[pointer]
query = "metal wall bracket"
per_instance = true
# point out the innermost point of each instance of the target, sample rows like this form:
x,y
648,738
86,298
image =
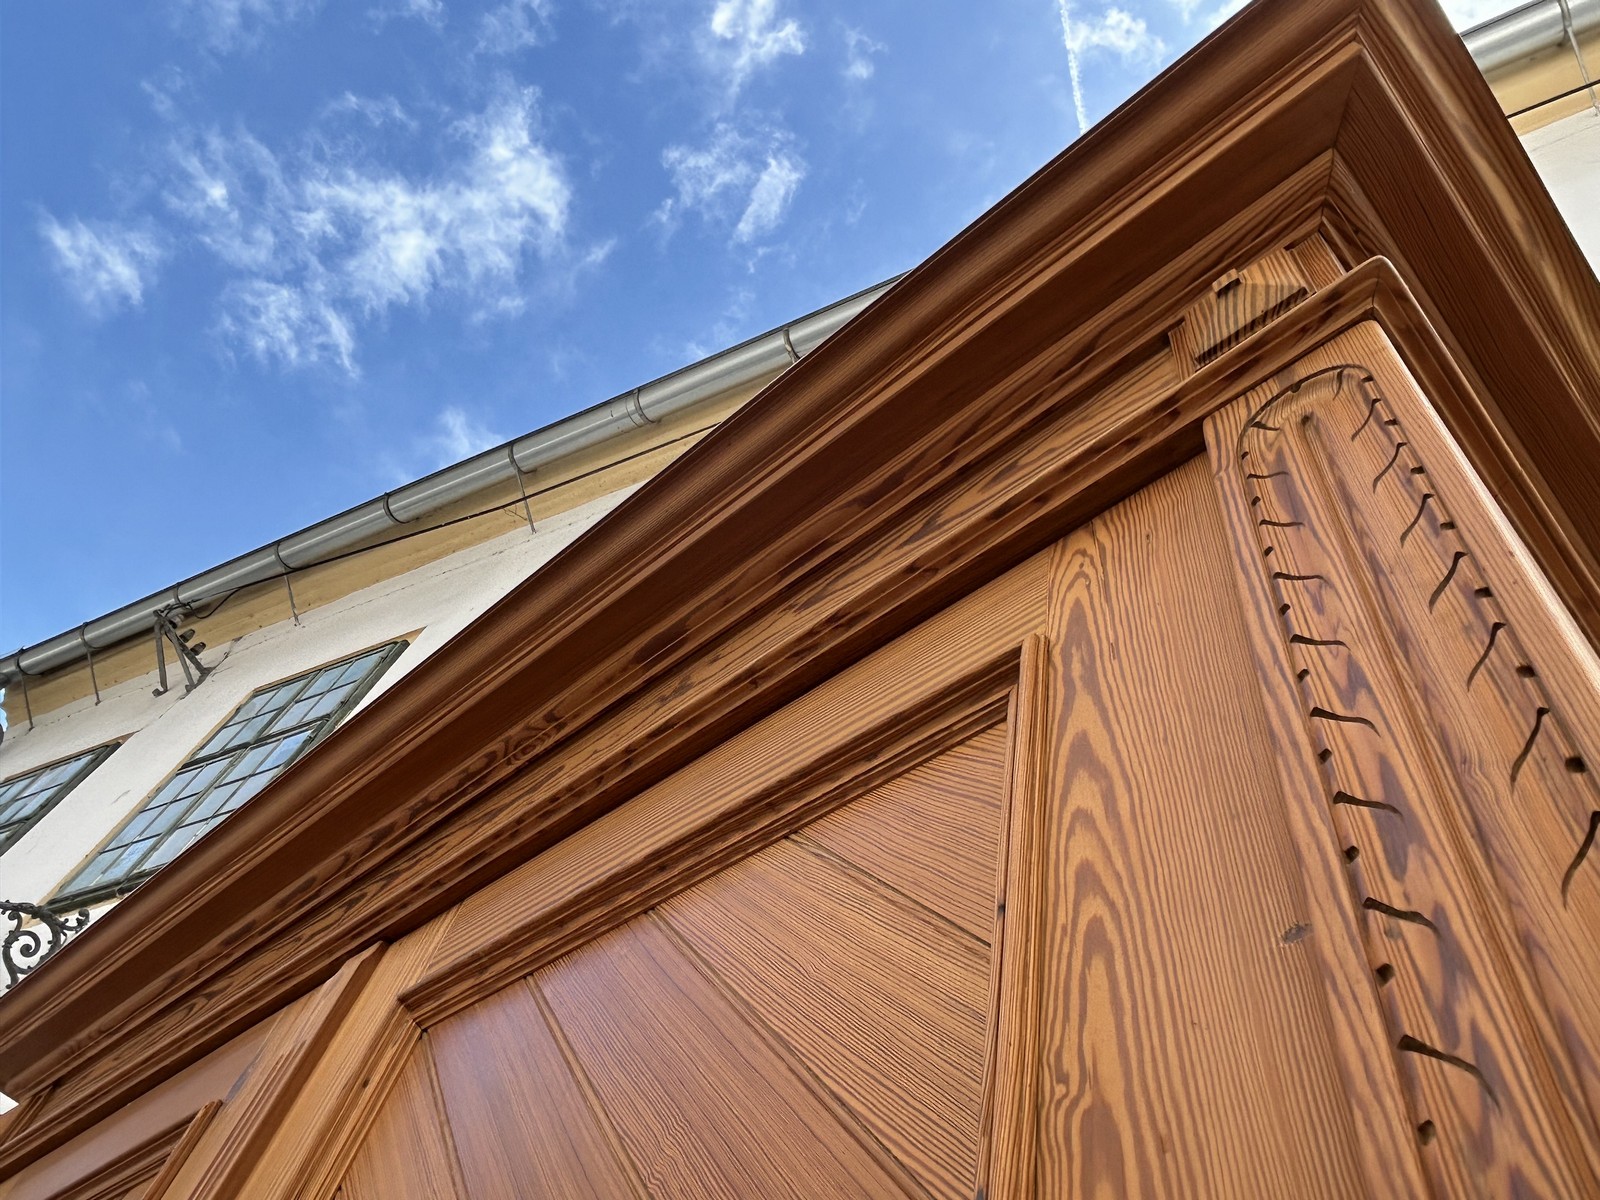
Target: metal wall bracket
x,y
166,629
25,946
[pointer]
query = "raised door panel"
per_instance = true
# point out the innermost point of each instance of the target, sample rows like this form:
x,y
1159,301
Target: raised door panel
x,y
517,1109
814,1019
883,1001
931,834
704,1103
409,1153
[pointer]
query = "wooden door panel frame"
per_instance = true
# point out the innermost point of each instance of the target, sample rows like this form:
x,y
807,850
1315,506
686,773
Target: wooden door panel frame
x,y
1008,1147
992,359
935,686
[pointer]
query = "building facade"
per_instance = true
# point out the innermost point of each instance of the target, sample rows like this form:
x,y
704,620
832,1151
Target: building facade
x,y
1116,718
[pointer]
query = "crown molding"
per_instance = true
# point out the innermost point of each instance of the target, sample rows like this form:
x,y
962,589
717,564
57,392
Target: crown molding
x,y
1011,387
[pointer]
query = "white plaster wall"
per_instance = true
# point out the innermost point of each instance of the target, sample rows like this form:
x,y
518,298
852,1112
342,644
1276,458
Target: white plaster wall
x,y
439,599
1566,154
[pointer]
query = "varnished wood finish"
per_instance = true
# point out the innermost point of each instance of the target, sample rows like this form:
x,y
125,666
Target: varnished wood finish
x,y
875,1002
980,506
233,1147
185,1145
897,707
409,1153
886,1004
173,1105
1239,302
1390,622
932,834
518,1113
1170,876
659,1042
1008,1149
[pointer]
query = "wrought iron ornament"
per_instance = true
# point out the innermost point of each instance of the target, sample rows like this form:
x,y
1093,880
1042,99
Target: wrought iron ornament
x,y
26,946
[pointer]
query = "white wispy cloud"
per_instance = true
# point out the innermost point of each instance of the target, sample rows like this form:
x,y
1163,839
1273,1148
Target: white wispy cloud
x,y
376,111
769,198
1074,70
746,180
858,52
514,25
747,34
229,25
1116,31
1211,15
323,243
106,266
294,324
163,88
457,436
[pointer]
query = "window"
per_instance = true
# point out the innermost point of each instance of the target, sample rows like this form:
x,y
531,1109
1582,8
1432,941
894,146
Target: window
x,y
26,798
263,736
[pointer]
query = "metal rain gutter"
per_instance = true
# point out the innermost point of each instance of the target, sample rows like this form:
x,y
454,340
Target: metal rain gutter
x,y
1534,28
766,354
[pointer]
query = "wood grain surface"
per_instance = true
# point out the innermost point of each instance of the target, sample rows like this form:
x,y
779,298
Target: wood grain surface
x,y
703,1103
1008,1143
1386,618
932,833
520,1118
895,708
408,1153
1184,1028
885,1003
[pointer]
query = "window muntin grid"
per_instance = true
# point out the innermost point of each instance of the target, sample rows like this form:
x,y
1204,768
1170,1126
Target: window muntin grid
x,y
27,797
262,737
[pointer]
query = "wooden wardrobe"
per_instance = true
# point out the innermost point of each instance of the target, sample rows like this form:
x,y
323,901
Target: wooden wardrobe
x,y
1119,719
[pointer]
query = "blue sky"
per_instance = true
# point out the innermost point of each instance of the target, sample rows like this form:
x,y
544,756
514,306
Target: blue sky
x,y
263,259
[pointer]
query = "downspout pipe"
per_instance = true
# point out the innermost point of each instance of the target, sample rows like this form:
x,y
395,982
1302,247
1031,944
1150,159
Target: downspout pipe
x,y
765,355
1532,29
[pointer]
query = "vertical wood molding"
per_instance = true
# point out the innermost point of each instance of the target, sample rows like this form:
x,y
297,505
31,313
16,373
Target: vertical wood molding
x,y
1009,1145
1383,617
185,1146
234,1145
1388,1152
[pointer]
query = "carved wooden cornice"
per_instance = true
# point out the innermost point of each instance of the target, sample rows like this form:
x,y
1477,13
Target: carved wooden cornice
x,y
1011,387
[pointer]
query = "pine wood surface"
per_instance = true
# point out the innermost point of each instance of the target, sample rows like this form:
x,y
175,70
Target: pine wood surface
x,y
884,1003
892,709
271,1095
858,1001
519,1119
188,1141
169,1105
659,1042
362,1056
1484,653
1189,1030
1008,1141
931,833
1360,537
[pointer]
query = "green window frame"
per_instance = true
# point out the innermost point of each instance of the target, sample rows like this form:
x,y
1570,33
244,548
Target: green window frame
x,y
25,798
257,743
